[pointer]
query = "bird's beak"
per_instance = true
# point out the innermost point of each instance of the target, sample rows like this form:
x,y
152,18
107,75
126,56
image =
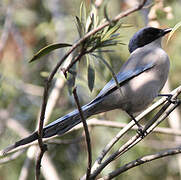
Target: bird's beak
x,y
166,31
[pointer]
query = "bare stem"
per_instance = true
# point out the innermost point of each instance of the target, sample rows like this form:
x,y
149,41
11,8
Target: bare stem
x,y
87,136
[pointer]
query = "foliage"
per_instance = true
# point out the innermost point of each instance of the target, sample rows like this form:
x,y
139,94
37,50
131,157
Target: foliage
x,y
105,38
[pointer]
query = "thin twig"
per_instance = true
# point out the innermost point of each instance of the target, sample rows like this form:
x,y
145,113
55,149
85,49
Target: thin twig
x,y
87,136
142,160
174,121
66,141
111,124
38,163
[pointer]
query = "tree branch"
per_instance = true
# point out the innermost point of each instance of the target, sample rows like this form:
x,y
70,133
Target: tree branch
x,y
87,136
142,160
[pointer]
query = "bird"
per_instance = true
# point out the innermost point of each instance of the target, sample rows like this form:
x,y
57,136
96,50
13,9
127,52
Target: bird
x,y
140,79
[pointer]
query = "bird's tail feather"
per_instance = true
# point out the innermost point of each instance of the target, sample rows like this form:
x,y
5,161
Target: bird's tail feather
x,y
65,123
59,126
21,142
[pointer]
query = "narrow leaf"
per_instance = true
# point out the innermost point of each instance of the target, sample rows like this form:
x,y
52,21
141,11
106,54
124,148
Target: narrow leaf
x,y
110,43
47,49
111,31
91,77
111,22
79,27
71,79
173,30
110,69
91,23
115,36
83,15
105,14
70,83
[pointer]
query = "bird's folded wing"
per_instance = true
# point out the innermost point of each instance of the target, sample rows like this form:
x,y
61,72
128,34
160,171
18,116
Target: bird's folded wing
x,y
122,77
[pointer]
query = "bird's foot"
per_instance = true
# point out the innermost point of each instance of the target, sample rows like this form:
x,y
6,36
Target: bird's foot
x,y
141,132
169,98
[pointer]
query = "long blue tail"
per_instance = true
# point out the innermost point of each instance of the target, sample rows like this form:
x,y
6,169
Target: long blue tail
x,y
65,123
59,126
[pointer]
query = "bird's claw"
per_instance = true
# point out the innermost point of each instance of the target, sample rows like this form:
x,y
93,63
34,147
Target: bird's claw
x,y
141,132
169,98
173,101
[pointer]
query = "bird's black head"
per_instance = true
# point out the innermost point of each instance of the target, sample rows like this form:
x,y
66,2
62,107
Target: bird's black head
x,y
145,36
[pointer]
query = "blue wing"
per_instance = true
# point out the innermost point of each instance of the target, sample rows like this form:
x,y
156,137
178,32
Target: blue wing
x,y
122,77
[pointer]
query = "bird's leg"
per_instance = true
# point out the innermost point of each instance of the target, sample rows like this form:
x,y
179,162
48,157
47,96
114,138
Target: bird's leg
x,y
140,128
169,96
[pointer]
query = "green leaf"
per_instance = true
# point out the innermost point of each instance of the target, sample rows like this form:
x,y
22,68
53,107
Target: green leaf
x,y
91,77
110,43
173,30
47,49
110,69
105,14
71,81
79,27
94,11
83,15
110,32
91,23
115,36
104,51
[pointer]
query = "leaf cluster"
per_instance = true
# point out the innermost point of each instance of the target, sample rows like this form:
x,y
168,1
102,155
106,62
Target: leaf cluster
x,y
87,21
104,38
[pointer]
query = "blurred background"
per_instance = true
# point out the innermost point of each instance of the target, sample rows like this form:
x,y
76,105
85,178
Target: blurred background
x,y
28,26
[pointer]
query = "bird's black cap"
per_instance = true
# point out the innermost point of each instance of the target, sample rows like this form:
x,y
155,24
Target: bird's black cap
x,y
145,36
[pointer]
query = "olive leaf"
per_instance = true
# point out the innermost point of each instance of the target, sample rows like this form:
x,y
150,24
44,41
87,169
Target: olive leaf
x,y
47,49
79,26
173,30
109,67
71,79
90,76
83,12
